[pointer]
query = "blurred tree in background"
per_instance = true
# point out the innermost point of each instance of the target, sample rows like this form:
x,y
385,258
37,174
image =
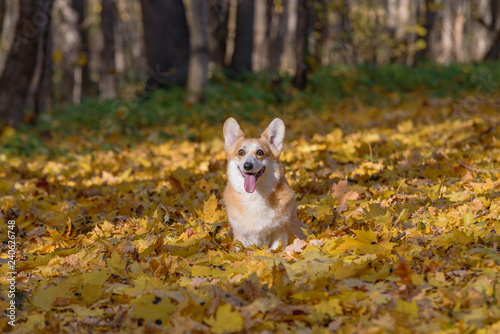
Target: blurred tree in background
x,y
166,37
56,52
26,52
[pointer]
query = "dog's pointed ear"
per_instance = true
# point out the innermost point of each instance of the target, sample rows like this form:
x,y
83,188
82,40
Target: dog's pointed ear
x,y
275,134
232,132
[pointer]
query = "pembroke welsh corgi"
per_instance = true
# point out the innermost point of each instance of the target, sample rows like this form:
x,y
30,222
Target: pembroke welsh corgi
x,y
259,201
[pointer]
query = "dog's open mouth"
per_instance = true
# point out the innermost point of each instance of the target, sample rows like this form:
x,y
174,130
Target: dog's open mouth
x,y
251,179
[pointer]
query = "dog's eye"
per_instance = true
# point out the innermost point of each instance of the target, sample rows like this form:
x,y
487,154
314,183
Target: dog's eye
x,y
241,153
260,152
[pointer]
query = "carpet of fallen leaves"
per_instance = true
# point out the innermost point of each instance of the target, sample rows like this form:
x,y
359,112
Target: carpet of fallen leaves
x,y
402,201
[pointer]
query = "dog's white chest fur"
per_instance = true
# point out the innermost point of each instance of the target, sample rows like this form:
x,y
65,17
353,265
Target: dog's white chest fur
x,y
258,223
254,219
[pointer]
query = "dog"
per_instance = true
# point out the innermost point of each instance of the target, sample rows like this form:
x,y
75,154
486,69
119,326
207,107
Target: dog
x,y
260,203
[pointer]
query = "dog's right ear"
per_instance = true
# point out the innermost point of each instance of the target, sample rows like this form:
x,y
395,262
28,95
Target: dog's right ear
x,y
232,132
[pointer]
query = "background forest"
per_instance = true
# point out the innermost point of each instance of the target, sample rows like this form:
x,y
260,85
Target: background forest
x,y
112,165
57,52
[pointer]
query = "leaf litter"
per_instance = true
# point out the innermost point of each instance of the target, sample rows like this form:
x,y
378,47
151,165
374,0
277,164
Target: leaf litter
x,y
403,205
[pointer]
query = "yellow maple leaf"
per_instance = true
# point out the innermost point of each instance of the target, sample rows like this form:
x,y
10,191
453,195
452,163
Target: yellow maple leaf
x,y
92,285
210,213
154,308
44,298
409,308
116,263
468,218
331,307
496,228
366,243
226,320
311,294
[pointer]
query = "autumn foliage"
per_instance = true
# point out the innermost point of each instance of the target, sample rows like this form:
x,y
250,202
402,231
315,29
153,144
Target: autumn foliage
x,y
401,198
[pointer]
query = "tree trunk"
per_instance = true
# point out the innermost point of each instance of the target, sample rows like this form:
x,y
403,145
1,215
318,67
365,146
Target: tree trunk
x,y
320,27
301,44
494,50
429,20
131,52
260,58
21,61
277,16
44,92
107,82
348,52
458,31
495,15
398,23
84,49
68,44
2,15
166,37
198,62
447,35
218,18
243,42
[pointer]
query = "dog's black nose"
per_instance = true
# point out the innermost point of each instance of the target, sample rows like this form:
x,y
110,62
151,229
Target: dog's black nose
x,y
248,165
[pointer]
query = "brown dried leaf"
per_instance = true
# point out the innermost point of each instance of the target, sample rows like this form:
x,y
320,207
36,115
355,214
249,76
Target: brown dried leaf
x,y
341,193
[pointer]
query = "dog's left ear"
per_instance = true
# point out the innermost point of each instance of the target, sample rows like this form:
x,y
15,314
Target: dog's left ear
x,y
275,134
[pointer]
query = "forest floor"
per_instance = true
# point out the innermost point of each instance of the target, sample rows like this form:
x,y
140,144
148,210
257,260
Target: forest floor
x,y
120,228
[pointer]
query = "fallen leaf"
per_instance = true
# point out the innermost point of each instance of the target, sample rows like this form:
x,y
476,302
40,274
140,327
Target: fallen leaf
x,y
341,193
226,320
297,246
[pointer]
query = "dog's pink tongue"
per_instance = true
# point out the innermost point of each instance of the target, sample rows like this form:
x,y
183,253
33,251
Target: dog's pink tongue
x,y
249,182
